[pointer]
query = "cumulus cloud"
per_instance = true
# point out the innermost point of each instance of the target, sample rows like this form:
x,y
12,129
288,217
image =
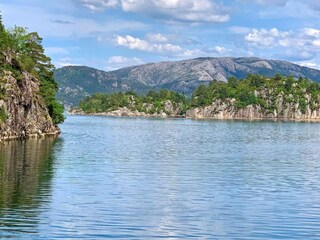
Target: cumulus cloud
x,y
312,32
160,45
116,62
265,37
143,45
301,38
158,38
169,10
295,45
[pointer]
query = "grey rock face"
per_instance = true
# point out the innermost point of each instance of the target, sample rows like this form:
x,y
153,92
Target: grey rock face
x,y
26,113
227,110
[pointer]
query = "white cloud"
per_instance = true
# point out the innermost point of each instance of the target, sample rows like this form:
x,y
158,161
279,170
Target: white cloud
x,y
312,32
219,50
157,38
168,10
309,65
116,62
302,39
316,43
167,49
265,37
298,45
63,62
143,45
98,5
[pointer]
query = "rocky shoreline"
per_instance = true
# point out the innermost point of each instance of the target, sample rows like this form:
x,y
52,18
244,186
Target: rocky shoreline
x,y
250,113
28,136
227,110
125,112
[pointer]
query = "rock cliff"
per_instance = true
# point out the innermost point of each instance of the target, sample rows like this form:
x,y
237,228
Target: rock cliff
x,y
228,110
23,112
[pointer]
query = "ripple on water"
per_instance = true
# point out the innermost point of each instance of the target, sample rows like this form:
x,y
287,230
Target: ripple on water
x,y
131,178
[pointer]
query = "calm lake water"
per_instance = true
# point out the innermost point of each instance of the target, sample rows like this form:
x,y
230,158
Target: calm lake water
x,y
131,178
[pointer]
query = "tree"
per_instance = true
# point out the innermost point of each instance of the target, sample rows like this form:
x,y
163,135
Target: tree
x,y
2,29
5,41
233,82
23,52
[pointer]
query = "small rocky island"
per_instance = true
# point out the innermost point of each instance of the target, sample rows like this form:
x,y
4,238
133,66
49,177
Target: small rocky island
x,y
28,107
255,97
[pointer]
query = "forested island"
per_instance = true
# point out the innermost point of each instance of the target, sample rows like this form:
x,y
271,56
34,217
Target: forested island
x,y
254,97
28,107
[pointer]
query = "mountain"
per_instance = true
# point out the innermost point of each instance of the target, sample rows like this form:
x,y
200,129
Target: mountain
x,y
76,82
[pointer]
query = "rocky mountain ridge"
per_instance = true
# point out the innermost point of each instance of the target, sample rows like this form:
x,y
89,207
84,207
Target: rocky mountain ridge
x,y
77,82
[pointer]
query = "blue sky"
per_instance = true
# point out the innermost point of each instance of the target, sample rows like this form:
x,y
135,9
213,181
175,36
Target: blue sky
x,y
110,34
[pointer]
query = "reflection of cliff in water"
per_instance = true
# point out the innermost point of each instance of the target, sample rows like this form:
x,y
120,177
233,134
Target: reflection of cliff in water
x,y
25,183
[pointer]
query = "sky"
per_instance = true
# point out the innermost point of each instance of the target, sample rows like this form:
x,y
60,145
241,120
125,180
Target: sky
x,y
111,34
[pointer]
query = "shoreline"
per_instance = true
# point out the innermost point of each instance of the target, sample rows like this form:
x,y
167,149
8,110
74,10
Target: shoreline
x,y
30,136
282,119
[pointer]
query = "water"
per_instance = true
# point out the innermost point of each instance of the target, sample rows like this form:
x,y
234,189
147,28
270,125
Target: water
x,y
130,178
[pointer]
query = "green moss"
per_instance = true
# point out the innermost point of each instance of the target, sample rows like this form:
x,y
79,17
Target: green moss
x,y
3,115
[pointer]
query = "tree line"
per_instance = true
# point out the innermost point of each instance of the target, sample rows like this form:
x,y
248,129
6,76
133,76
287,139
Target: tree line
x,y
252,90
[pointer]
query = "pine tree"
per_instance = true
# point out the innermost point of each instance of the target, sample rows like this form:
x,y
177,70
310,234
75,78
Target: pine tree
x,y
20,52
2,39
1,24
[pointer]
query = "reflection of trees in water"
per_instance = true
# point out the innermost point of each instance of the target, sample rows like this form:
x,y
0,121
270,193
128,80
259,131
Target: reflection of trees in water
x,y
25,183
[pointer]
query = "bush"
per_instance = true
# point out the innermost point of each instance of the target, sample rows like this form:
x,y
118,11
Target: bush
x,y
3,115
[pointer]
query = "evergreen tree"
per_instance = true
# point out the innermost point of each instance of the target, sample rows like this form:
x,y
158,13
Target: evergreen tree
x,y
21,51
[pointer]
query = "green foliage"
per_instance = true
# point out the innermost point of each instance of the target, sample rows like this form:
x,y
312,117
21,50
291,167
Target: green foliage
x,y
259,90
3,114
21,51
253,90
153,102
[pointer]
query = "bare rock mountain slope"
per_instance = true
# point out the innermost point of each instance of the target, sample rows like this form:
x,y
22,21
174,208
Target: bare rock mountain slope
x,y
76,82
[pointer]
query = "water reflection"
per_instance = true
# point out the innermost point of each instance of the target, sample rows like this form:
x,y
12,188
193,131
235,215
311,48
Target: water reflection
x,y
25,184
118,178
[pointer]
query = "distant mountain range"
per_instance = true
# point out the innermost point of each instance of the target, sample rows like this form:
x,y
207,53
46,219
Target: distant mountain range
x,y
77,82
